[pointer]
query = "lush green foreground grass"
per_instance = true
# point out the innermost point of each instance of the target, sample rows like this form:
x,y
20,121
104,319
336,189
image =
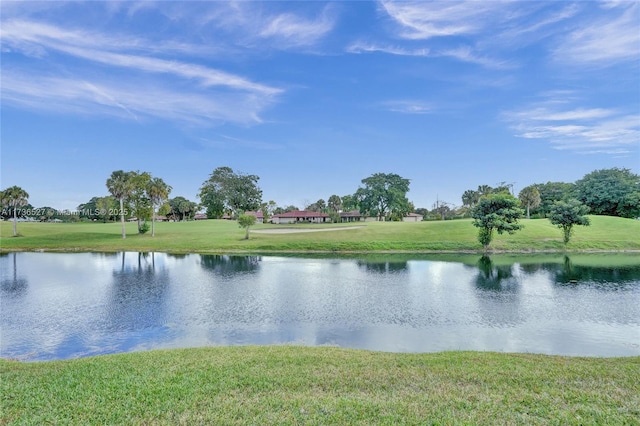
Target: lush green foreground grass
x,y
302,385
605,233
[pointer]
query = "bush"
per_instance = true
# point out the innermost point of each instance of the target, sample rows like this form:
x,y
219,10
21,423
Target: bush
x,y
144,228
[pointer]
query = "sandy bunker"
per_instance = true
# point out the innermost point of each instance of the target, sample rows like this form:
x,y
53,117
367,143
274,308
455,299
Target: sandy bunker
x,y
297,230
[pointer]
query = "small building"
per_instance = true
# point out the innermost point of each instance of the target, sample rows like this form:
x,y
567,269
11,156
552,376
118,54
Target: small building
x,y
200,216
259,216
300,216
413,217
356,216
352,216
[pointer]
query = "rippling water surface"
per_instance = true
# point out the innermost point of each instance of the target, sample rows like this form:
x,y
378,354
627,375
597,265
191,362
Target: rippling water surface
x,y
57,306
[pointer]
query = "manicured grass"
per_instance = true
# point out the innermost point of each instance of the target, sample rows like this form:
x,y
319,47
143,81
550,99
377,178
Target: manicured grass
x,y
323,385
605,233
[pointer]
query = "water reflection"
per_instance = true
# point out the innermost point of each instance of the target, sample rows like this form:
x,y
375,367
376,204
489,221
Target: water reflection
x,y
568,272
497,293
137,299
226,265
14,286
382,267
495,278
86,304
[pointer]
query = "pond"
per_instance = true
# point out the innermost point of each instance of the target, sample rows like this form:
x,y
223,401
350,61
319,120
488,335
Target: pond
x,y
69,305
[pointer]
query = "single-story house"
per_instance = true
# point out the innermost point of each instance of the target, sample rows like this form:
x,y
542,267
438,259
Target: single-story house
x,y
352,216
356,216
413,217
300,216
259,216
200,216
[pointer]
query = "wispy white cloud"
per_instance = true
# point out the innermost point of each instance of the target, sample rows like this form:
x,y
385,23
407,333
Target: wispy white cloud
x,y
579,114
462,53
288,29
424,20
408,106
268,28
536,28
611,37
467,54
27,36
129,99
173,89
584,130
362,47
428,22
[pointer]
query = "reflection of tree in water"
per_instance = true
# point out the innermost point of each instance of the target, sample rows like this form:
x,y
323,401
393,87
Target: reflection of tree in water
x,y
230,265
139,294
498,295
569,273
491,277
382,267
15,286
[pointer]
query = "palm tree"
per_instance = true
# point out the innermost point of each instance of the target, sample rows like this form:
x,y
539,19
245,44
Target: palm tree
x,y
158,191
120,186
15,197
530,197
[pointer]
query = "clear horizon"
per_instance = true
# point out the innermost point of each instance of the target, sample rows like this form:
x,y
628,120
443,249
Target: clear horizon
x,y
313,97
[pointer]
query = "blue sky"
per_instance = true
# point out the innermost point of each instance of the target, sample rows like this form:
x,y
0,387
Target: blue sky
x,y
313,96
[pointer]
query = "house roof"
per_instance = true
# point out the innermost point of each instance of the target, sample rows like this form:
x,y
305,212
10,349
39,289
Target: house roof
x,y
301,214
257,214
414,215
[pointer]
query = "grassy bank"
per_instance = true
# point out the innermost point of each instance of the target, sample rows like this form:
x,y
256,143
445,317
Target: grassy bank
x,y
605,233
301,385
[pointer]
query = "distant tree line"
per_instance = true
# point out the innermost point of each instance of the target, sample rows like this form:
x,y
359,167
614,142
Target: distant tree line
x,y
226,193
610,192
229,193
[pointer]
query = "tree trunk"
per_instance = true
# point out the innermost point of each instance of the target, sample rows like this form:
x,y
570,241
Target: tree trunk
x,y
153,220
246,236
124,234
15,221
528,207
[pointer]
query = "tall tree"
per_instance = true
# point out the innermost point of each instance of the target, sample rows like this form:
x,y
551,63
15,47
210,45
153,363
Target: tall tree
x,y
105,206
442,209
530,197
158,192
225,189
183,208
349,203
120,185
268,209
485,190
551,192
318,206
14,197
470,198
496,212
334,203
139,201
383,194
612,192
566,214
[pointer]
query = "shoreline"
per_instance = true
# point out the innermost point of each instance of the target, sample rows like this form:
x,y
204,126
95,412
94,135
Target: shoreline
x,y
302,252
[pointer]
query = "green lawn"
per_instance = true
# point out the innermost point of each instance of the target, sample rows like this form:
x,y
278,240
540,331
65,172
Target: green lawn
x,y
323,385
605,233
